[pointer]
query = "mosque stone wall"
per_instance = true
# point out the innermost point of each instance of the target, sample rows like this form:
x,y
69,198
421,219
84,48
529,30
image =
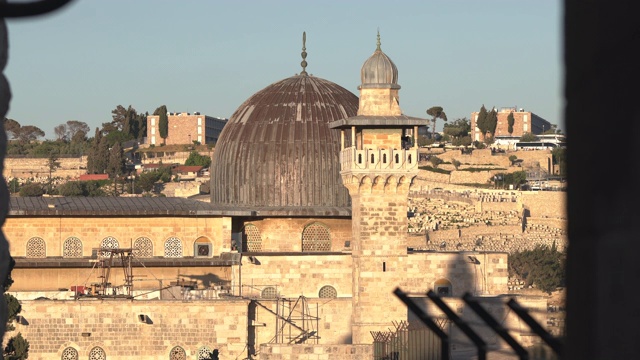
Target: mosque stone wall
x,y
91,231
295,275
285,234
315,352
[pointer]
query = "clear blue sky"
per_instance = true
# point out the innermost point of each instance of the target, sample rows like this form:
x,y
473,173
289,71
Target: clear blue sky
x,y
210,56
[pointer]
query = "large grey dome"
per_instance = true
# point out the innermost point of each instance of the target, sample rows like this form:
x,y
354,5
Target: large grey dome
x,y
379,70
277,154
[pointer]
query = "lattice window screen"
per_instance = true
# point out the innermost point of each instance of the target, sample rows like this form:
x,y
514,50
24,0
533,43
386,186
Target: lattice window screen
x,y
97,354
204,353
72,248
316,237
254,240
69,354
36,248
177,353
327,292
109,243
269,292
173,248
143,247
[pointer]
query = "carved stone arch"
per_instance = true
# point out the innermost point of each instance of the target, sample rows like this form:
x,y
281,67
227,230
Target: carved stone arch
x,y
72,247
316,237
443,287
202,247
36,248
378,184
366,184
404,183
391,185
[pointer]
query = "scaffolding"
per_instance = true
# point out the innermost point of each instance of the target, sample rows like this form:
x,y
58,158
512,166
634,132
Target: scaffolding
x,y
108,258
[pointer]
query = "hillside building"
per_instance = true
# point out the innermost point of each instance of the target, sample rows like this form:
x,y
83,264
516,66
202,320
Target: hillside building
x,y
185,128
524,122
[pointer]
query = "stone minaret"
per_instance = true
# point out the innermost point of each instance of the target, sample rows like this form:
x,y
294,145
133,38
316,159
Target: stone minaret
x,y
379,161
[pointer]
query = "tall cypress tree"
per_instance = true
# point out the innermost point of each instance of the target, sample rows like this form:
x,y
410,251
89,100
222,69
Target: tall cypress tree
x,y
492,121
510,122
163,122
93,152
481,121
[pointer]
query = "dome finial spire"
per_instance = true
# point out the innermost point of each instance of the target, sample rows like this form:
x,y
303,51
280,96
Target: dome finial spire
x,y
304,54
378,42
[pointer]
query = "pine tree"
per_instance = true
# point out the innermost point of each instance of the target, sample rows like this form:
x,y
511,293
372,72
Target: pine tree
x,y
436,112
101,157
115,164
93,151
492,121
17,346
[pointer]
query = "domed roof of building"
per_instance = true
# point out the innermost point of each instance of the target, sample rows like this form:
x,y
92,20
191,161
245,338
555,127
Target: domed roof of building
x,y
277,155
379,70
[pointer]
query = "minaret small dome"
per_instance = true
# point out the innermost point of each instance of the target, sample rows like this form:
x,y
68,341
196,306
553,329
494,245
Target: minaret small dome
x,y
379,70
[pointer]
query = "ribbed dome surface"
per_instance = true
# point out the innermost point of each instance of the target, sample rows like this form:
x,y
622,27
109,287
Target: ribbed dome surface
x,y
379,69
277,151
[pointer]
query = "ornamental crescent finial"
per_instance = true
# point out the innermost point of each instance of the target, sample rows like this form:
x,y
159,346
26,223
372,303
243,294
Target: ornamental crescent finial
x,y
304,54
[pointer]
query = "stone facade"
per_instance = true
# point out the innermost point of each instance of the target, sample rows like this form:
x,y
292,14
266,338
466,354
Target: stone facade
x,y
37,169
524,122
184,128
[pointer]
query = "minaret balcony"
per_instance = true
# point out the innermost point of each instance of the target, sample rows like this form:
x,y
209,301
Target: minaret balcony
x,y
379,160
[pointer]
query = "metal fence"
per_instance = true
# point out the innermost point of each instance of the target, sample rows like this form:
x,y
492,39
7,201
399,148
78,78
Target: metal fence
x,y
406,342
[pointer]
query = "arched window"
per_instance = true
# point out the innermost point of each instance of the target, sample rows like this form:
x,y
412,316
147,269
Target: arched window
x,y
202,247
72,248
269,292
254,240
143,247
36,248
373,158
384,158
205,353
316,237
69,354
397,158
97,354
327,292
177,353
443,287
173,247
109,243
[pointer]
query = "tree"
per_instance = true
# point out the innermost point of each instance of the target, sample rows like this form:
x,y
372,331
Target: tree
x,y
74,128
115,165
17,346
510,122
195,159
542,267
435,161
526,137
31,190
458,128
492,121
436,112
163,122
560,159
11,126
481,122
28,133
71,188
52,164
61,132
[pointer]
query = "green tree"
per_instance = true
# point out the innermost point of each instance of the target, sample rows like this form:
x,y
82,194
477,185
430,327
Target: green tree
x,y
458,128
456,163
436,112
17,346
526,137
31,190
11,127
71,188
92,154
510,122
195,159
115,166
513,159
163,122
542,267
52,164
481,121
28,133
492,121
559,159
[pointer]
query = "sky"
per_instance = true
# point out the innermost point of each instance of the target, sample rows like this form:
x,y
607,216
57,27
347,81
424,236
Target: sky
x,y
210,56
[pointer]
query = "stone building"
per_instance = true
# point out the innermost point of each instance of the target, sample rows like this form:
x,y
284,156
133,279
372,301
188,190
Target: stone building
x,y
524,122
301,246
184,128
